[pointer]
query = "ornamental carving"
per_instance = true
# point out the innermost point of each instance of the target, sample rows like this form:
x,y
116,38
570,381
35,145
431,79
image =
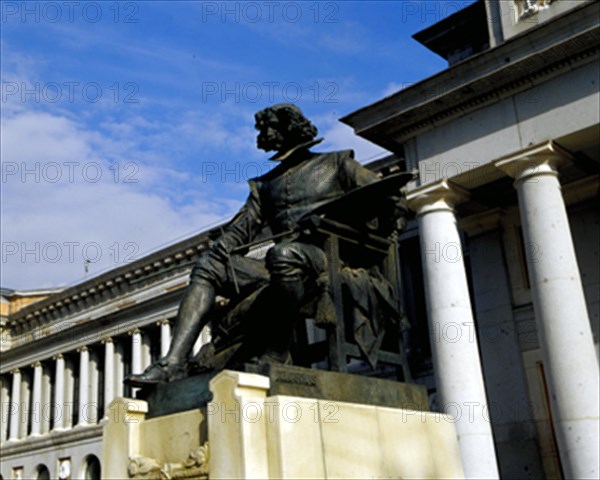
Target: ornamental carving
x,y
527,8
194,467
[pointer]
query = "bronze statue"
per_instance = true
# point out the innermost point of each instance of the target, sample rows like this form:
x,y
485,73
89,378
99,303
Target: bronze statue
x,y
295,269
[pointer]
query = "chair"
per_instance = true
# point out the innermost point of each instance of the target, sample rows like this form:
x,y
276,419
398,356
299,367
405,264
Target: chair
x,y
348,247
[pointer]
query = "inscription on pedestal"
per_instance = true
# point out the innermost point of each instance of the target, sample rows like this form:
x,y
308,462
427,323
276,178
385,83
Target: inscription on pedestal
x,y
342,387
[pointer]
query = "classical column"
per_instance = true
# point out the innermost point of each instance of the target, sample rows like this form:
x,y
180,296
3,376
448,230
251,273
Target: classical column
x,y
59,393
4,408
15,405
84,380
146,350
136,355
165,336
36,405
69,395
202,340
46,408
136,351
91,412
457,366
198,344
109,373
25,402
562,319
119,368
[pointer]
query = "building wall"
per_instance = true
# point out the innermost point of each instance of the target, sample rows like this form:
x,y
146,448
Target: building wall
x,y
76,450
462,146
506,385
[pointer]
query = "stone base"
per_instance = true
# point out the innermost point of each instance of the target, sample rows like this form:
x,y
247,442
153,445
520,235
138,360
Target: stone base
x,y
194,392
135,447
342,387
252,434
179,396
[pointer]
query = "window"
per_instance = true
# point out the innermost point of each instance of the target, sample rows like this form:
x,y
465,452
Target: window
x,y
64,469
92,468
42,472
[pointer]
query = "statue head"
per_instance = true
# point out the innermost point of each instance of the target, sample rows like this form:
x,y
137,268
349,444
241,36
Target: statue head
x,y
281,127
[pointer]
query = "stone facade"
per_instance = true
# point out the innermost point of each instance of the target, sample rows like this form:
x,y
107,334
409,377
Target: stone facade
x,y
506,144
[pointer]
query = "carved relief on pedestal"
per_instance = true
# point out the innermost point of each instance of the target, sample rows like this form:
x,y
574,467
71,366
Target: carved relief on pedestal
x,y
195,466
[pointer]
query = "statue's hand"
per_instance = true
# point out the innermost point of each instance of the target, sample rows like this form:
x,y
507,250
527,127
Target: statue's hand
x,y
221,249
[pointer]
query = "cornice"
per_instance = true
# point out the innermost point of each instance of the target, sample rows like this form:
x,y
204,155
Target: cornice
x,y
77,335
544,52
53,440
68,341
113,284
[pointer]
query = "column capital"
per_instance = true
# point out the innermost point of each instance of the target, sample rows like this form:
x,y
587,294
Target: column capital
x,y
36,364
106,340
542,159
58,356
164,321
83,349
16,371
134,331
438,196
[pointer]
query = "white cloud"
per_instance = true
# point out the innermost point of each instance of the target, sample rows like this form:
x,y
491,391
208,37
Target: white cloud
x,y
62,200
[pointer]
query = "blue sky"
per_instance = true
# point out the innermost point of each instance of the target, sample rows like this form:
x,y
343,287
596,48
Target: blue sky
x,y
127,126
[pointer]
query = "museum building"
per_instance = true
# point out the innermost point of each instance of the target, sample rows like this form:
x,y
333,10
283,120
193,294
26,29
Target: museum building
x,y
500,266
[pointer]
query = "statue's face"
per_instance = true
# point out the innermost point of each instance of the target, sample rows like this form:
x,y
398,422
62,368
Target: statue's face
x,y
269,136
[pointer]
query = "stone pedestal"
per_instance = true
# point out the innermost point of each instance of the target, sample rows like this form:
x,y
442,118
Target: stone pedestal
x,y
246,433
163,447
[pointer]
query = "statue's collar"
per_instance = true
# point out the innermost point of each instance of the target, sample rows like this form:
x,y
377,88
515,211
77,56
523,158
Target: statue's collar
x,y
280,157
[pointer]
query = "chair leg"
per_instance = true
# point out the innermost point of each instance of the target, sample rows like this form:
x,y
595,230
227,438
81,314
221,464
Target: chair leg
x,y
337,355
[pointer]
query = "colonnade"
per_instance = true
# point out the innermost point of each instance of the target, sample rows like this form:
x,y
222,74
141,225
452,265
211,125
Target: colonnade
x,y
74,388
562,319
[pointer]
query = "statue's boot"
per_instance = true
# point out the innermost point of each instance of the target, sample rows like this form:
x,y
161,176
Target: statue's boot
x,y
160,371
191,318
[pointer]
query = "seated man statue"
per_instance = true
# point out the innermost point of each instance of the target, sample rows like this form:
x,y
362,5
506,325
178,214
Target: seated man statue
x,y
302,181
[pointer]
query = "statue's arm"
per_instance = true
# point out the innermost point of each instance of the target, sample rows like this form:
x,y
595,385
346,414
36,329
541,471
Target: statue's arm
x,y
243,228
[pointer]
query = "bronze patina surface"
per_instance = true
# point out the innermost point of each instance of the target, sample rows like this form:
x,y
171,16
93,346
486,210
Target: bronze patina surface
x,y
333,224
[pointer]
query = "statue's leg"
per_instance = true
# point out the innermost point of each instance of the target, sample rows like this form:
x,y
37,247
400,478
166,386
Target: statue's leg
x,y
294,268
191,318
209,276
288,294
